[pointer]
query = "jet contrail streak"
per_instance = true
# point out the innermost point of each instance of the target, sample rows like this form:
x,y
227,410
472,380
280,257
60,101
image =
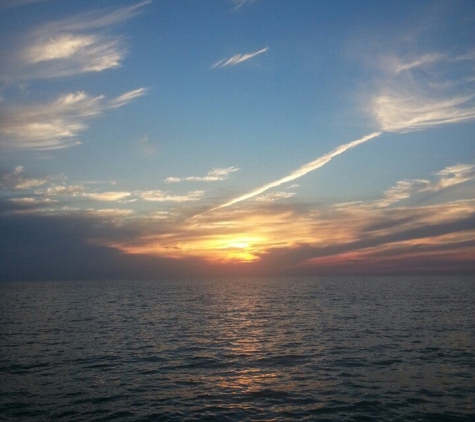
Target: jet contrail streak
x,y
306,168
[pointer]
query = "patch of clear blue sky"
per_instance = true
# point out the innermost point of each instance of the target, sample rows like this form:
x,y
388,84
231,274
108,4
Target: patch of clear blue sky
x,y
267,116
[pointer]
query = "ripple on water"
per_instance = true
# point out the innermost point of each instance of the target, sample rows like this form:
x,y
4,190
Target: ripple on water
x,y
383,349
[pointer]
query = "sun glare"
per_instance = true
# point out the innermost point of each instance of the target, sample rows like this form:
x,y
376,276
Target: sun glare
x,y
239,245
238,249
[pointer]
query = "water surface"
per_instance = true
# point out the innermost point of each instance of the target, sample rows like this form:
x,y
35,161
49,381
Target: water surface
x,y
326,349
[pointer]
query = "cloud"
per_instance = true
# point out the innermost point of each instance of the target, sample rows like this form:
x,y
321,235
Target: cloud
x,y
7,4
160,196
406,111
403,190
238,58
127,97
109,213
424,60
449,177
214,175
69,47
62,190
30,201
16,180
270,236
302,171
275,196
455,175
426,91
146,146
241,3
107,196
56,124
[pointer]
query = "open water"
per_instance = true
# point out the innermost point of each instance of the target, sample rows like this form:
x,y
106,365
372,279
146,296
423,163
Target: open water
x,y
323,349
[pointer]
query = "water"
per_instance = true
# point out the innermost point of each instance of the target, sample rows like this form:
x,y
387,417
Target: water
x,y
325,349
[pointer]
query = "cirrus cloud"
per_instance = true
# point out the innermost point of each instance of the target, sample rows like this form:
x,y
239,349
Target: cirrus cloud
x,y
214,175
55,125
68,47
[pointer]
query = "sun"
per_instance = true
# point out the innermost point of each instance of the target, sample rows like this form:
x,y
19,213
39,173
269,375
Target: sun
x,y
239,245
243,249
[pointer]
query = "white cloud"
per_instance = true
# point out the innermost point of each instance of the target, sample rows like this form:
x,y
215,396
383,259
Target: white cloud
x,y
32,201
424,60
275,196
403,190
238,58
160,196
214,175
110,213
448,177
426,91
54,125
69,47
241,3
302,171
405,111
62,190
455,175
107,196
127,97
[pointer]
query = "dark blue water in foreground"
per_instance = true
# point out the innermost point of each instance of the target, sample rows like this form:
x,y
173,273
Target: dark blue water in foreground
x,y
328,349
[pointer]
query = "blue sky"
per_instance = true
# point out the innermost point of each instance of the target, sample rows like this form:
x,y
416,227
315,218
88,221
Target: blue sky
x,y
229,137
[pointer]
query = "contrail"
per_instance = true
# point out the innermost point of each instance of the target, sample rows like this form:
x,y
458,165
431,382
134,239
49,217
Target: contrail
x,y
306,168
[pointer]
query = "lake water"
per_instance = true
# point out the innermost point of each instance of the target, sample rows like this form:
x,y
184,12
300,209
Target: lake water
x,y
325,349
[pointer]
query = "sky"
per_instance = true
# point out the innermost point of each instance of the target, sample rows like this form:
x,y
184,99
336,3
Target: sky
x,y
148,139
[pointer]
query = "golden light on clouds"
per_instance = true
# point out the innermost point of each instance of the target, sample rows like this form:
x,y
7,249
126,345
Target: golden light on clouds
x,y
354,234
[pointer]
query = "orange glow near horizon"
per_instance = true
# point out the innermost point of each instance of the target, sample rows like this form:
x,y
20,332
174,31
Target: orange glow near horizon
x,y
250,235
213,248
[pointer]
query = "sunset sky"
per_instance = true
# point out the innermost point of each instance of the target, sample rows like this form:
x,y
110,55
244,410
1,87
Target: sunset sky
x,y
220,137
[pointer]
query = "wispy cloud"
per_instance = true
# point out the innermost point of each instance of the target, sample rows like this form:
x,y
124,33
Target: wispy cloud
x,y
69,46
160,196
402,190
449,177
126,98
424,60
7,4
422,92
17,180
302,171
274,196
214,175
107,196
238,58
455,175
240,3
62,190
405,111
54,125
31,202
